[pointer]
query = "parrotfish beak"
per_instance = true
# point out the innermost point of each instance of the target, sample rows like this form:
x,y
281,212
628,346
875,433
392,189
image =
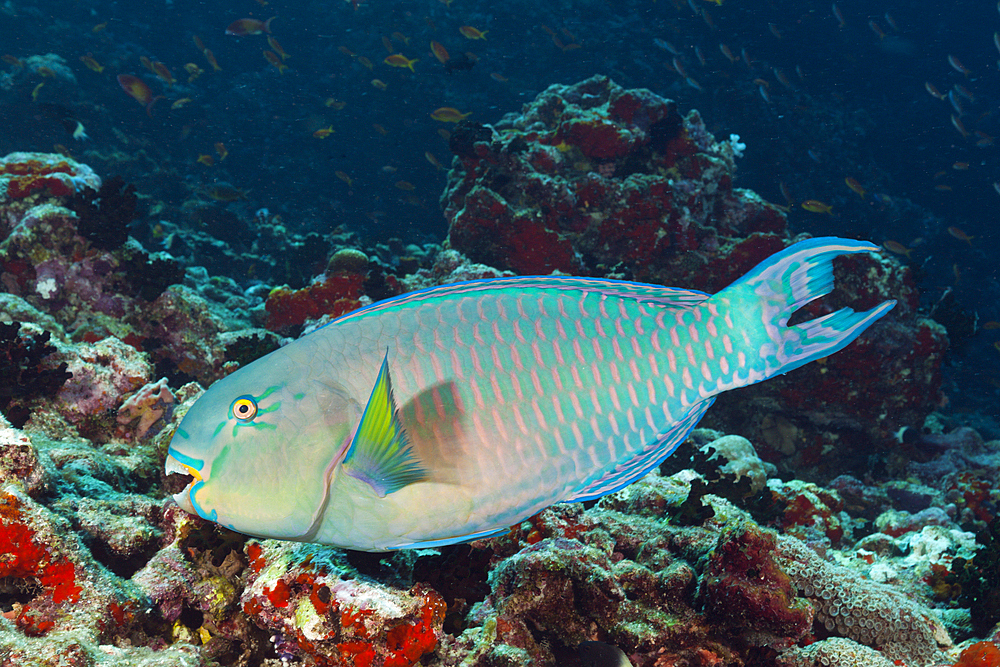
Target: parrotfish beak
x,y
174,467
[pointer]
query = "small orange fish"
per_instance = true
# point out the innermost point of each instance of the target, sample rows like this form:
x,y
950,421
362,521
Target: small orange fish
x,y
36,91
898,248
147,63
444,134
448,114
854,185
344,177
220,148
180,103
433,160
816,206
91,64
323,132
46,72
210,57
334,103
400,37
959,125
399,60
786,193
471,33
837,14
381,130
960,235
137,90
440,52
380,84
164,73
960,166
387,43
366,63
225,193
12,61
193,71
728,53
99,27
276,47
957,65
405,186
198,43
992,325
346,51
273,58
497,76
941,187
206,159
244,27
965,92
932,89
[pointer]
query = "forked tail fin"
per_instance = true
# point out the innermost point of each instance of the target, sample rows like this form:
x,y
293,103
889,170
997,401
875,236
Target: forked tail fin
x,y
782,284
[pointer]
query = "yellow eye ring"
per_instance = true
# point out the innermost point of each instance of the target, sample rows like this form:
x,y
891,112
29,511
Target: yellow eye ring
x,y
244,409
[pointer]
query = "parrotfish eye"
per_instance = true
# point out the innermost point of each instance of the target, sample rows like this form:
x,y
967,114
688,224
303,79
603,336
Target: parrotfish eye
x,y
244,408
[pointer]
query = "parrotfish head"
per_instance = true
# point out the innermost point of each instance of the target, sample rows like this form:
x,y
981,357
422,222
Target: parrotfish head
x,y
261,455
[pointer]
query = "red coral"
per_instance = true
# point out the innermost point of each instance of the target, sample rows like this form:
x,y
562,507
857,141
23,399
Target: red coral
x,y
746,589
22,556
408,642
279,595
33,175
980,654
332,295
596,138
256,555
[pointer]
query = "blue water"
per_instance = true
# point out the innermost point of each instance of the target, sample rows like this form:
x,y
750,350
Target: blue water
x,y
855,106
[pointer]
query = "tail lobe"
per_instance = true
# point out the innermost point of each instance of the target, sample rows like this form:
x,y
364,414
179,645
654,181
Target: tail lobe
x,y
785,282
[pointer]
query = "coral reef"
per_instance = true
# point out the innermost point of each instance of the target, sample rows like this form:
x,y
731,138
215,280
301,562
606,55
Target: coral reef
x,y
25,371
867,612
592,178
711,561
978,580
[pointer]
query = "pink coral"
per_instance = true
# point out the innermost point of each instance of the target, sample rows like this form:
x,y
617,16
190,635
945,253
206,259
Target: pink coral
x,y
103,373
147,406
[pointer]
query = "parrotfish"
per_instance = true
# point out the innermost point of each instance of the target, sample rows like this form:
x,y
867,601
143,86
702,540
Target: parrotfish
x,y
450,414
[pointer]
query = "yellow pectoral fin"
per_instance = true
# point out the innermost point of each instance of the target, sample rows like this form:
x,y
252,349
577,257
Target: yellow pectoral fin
x,y
380,453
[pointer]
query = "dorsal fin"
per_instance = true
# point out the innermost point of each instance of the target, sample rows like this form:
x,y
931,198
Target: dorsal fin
x,y
380,453
670,297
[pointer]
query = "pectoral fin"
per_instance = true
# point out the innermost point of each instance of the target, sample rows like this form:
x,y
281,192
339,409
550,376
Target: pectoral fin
x,y
380,453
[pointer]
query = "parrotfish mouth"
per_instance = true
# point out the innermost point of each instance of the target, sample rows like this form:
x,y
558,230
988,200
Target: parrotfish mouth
x,y
180,476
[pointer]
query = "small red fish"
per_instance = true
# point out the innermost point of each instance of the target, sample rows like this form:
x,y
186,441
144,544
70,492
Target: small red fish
x,y
960,235
273,58
164,73
440,52
242,27
471,33
138,91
